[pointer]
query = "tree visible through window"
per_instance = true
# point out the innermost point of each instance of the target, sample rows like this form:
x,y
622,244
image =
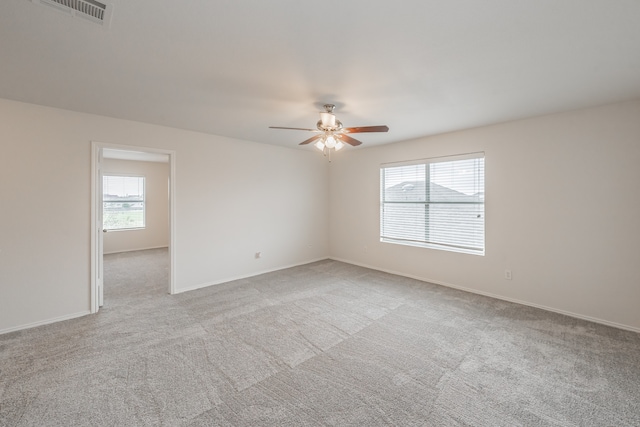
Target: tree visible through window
x,y
436,203
123,202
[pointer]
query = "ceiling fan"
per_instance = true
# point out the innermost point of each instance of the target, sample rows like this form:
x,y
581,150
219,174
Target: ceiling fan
x,y
331,133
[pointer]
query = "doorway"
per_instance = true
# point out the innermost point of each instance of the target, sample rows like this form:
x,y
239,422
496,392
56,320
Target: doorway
x,y
102,154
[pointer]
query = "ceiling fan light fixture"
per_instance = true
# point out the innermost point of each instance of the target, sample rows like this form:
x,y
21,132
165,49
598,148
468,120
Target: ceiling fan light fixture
x,y
339,145
330,141
319,145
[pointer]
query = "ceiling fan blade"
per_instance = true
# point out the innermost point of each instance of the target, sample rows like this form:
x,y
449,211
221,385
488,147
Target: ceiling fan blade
x,y
310,140
280,127
351,141
361,129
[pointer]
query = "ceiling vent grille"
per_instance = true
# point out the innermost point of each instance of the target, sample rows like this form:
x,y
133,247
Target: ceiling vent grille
x,y
92,10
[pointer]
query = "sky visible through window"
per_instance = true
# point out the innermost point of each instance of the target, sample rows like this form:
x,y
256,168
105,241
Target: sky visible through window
x,y
456,175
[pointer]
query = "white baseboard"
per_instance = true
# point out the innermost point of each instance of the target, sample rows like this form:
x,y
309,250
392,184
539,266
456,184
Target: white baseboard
x,y
135,250
44,322
231,279
496,296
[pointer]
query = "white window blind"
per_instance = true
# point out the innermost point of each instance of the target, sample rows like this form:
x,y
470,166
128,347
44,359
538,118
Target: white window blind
x,y
123,202
436,203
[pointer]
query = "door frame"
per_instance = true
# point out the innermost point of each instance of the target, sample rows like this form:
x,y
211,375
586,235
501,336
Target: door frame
x,y
97,250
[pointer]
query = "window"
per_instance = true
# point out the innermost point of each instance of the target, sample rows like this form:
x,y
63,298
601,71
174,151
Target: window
x,y
123,202
434,203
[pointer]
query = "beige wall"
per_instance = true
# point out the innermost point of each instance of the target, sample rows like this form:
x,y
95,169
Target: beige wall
x,y
233,198
561,192
155,234
562,212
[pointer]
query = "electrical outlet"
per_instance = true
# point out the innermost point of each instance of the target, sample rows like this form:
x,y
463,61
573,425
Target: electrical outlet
x,y
507,274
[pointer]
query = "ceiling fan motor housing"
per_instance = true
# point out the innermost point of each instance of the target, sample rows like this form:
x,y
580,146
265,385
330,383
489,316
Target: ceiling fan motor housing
x,y
328,121
329,125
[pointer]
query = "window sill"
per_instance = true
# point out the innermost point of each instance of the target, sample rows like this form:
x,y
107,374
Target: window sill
x,y
433,246
111,230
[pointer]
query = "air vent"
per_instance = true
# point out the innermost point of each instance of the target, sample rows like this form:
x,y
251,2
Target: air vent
x,y
91,10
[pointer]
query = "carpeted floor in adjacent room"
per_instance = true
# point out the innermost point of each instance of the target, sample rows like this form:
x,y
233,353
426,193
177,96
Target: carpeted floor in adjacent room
x,y
326,343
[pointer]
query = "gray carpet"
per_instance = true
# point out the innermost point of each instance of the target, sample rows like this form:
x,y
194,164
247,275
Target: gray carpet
x,y
327,343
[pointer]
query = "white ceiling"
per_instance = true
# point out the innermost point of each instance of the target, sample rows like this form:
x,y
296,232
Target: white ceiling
x,y
235,67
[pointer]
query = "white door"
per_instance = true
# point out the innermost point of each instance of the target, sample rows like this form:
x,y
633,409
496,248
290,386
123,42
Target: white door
x,y
99,234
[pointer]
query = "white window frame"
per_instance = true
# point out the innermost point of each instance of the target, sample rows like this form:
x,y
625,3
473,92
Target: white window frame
x,y
425,243
143,201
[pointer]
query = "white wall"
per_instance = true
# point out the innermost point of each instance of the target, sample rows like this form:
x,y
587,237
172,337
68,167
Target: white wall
x,y
233,198
562,212
561,192
155,234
